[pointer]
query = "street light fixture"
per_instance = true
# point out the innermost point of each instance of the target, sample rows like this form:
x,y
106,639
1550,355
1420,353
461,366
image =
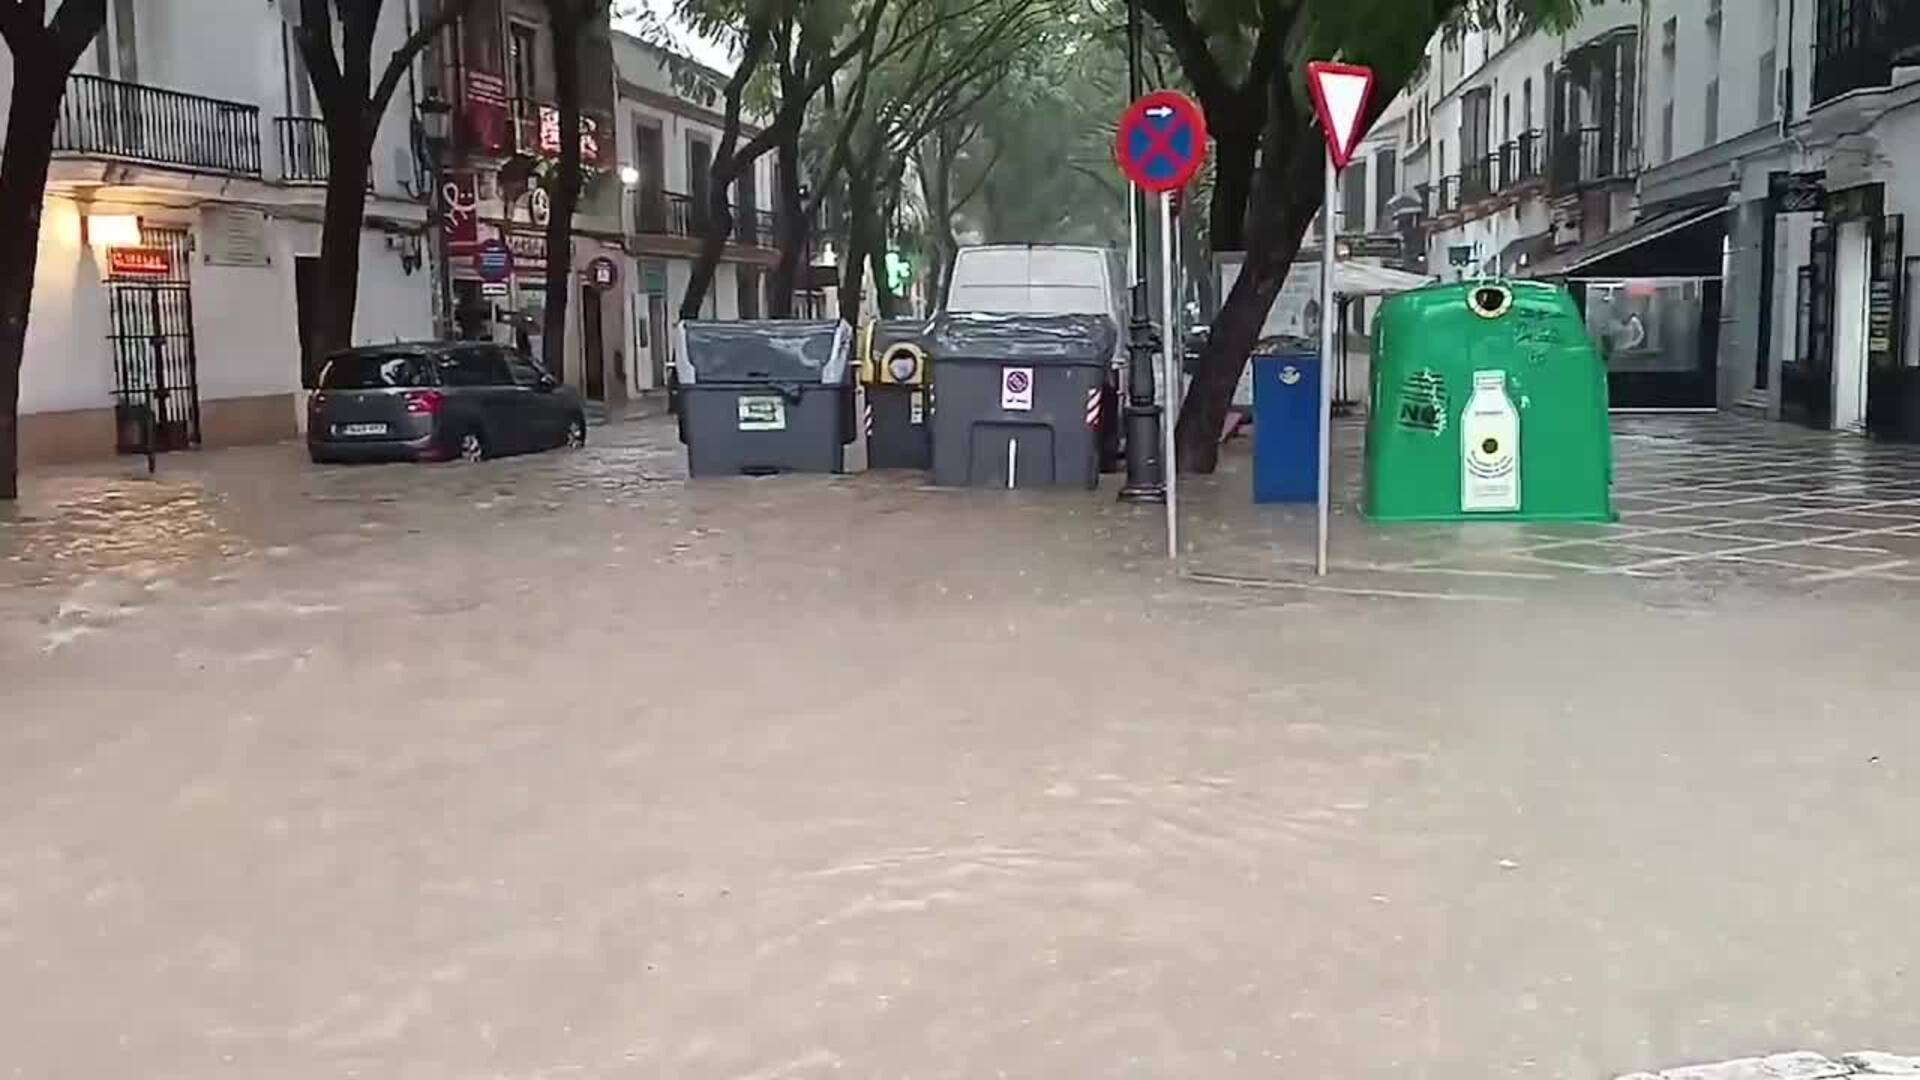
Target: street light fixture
x,y
435,127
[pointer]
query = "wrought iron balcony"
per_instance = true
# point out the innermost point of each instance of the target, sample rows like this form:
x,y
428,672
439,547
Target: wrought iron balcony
x,y
1588,155
1476,178
1520,161
1858,43
669,213
108,118
303,149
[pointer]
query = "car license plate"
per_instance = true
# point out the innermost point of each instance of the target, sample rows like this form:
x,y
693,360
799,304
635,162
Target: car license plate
x,y
763,414
363,429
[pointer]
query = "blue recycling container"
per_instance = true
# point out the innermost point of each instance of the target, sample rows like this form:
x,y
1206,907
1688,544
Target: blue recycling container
x,y
1286,422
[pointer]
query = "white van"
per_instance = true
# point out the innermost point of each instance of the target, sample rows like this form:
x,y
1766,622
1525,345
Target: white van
x,y
1034,279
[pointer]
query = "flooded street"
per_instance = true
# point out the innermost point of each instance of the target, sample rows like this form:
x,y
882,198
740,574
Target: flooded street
x,y
562,767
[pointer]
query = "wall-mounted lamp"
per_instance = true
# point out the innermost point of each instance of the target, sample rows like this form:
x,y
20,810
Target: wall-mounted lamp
x,y
408,246
629,176
111,230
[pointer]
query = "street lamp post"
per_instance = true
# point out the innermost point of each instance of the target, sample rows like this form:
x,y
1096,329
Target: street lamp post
x,y
435,124
1146,473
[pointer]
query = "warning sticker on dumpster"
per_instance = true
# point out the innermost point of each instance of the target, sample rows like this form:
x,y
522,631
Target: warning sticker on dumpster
x,y
1016,389
763,414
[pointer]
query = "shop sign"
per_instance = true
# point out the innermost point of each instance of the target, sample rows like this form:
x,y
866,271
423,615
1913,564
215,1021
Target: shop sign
x,y
485,110
529,253
460,210
1797,192
550,136
602,273
139,261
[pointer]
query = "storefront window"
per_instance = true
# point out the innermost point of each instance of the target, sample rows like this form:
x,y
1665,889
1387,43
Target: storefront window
x,y
1646,326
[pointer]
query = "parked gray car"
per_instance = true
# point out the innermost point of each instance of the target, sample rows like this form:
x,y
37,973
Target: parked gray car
x,y
437,401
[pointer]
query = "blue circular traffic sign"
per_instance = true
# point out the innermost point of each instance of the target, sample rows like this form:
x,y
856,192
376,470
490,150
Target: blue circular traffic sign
x,y
493,260
1161,141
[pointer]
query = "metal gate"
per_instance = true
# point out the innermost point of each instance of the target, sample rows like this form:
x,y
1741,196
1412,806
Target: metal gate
x,y
155,374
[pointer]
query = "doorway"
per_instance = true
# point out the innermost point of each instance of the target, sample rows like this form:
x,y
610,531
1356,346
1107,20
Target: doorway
x,y
1849,326
592,345
306,287
156,384
658,348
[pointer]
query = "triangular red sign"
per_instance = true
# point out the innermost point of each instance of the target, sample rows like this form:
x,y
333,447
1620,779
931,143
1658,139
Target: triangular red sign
x,y
1340,96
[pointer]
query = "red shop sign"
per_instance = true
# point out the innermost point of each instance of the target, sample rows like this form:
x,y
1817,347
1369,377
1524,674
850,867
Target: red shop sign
x,y
139,261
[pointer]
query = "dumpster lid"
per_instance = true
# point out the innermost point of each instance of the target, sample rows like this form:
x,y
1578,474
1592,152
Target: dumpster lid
x,y
764,350
1034,339
1284,345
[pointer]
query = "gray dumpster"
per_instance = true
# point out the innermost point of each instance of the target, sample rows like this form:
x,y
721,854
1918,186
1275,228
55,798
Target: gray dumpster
x,y
765,396
1017,399
895,369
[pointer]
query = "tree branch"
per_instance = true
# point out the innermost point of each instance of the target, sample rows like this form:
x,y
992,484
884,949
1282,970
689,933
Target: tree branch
x,y
314,38
74,26
1196,56
402,58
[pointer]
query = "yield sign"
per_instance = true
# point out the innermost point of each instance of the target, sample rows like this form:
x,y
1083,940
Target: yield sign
x,y
1340,95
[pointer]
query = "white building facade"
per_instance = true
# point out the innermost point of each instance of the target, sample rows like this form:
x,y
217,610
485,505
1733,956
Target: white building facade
x,y
181,231
670,124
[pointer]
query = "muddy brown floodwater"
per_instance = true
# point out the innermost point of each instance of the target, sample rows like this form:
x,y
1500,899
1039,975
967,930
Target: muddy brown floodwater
x,y
563,768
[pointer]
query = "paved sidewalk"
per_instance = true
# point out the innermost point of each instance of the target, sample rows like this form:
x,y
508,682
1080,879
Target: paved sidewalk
x,y
1705,502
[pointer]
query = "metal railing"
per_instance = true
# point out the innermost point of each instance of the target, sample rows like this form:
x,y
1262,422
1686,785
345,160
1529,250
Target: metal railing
x,y
669,213
303,149
109,118
1857,44
1521,161
1447,195
1476,178
1585,156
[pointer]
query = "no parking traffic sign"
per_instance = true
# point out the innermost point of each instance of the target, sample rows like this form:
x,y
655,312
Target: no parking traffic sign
x,y
1161,141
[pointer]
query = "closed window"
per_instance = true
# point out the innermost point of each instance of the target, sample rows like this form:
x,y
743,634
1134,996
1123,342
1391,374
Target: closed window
x,y
524,371
480,366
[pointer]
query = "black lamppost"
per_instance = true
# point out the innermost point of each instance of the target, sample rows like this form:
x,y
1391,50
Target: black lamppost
x,y
435,125
1146,473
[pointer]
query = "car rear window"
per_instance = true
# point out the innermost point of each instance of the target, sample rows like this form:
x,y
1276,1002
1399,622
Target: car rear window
x,y
374,371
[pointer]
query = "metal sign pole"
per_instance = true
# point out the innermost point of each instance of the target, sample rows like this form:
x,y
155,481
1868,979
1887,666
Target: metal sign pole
x,y
1169,357
1328,232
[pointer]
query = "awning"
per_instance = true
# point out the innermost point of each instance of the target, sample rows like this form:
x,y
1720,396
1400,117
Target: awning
x,y
1520,257
1685,242
1352,280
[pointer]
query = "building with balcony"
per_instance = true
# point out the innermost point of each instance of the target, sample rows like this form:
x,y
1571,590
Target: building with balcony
x,y
181,229
1533,140
496,69
669,109
1830,207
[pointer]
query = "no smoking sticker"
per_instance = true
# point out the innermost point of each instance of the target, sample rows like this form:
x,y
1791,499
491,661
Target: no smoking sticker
x,y
1016,389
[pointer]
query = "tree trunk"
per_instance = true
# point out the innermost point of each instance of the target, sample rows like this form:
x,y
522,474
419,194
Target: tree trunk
x,y
563,187
793,225
883,296
1234,152
23,183
338,291
853,265
1284,197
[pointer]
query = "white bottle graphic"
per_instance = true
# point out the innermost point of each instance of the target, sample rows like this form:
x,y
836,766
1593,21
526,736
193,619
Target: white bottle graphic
x,y
1490,445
